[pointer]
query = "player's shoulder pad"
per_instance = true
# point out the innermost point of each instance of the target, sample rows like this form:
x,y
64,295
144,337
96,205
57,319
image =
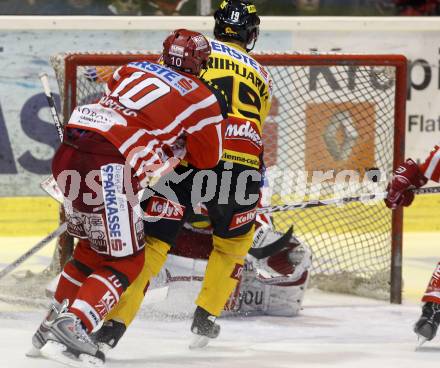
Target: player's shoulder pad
x,y
220,95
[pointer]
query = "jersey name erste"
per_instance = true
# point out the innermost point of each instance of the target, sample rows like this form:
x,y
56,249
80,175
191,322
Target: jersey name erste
x,y
248,87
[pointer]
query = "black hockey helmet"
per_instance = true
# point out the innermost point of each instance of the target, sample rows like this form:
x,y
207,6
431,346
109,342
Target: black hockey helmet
x,y
237,20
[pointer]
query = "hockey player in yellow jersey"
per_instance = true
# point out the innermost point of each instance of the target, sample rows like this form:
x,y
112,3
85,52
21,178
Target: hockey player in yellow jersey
x,y
248,89
246,83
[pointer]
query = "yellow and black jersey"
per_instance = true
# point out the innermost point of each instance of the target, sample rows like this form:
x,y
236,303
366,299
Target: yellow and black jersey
x,y
248,88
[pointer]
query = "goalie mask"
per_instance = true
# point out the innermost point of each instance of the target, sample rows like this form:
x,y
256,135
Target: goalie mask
x,y
186,50
237,20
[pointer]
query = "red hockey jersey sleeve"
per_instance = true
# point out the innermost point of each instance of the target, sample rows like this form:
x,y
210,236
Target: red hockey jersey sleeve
x,y
205,143
205,146
431,167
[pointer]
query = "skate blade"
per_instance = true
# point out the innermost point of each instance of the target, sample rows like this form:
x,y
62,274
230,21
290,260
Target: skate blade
x,y
58,352
105,348
33,352
420,342
198,342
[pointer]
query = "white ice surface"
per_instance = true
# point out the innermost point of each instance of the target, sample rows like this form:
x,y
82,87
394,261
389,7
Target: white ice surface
x,y
331,331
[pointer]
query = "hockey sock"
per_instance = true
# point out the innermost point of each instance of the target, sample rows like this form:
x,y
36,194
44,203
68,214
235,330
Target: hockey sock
x,y
155,256
72,278
99,293
223,271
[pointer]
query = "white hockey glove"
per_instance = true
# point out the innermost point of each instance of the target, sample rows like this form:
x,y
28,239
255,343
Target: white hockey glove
x,y
279,259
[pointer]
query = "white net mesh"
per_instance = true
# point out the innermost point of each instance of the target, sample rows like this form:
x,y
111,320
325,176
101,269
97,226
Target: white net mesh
x,y
338,116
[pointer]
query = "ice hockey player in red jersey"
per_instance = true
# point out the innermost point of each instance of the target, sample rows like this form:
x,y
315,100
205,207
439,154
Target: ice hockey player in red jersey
x,y
217,242
407,176
151,117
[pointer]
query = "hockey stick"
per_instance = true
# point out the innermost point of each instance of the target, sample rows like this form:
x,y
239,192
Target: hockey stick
x,y
51,101
49,185
280,243
55,234
338,201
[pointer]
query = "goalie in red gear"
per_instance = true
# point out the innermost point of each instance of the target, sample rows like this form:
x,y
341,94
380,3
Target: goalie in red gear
x,y
151,117
407,176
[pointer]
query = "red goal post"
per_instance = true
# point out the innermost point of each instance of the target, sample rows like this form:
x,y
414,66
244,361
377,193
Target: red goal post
x,y
330,112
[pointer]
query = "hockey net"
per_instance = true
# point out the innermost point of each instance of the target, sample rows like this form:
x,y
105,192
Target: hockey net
x,y
330,112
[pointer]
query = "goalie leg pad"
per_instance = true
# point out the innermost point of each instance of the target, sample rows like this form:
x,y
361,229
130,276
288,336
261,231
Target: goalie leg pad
x,y
223,271
275,284
256,298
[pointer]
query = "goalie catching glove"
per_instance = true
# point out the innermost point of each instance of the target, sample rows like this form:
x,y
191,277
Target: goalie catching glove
x,y
288,262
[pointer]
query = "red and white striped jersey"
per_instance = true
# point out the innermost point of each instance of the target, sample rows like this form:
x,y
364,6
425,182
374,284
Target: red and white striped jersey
x,y
147,108
431,167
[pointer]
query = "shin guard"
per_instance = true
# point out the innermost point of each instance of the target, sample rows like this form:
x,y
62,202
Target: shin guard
x,y
70,281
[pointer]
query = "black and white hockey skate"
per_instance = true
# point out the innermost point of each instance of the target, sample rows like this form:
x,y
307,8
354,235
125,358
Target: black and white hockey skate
x,y
426,326
108,336
39,338
69,343
204,328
